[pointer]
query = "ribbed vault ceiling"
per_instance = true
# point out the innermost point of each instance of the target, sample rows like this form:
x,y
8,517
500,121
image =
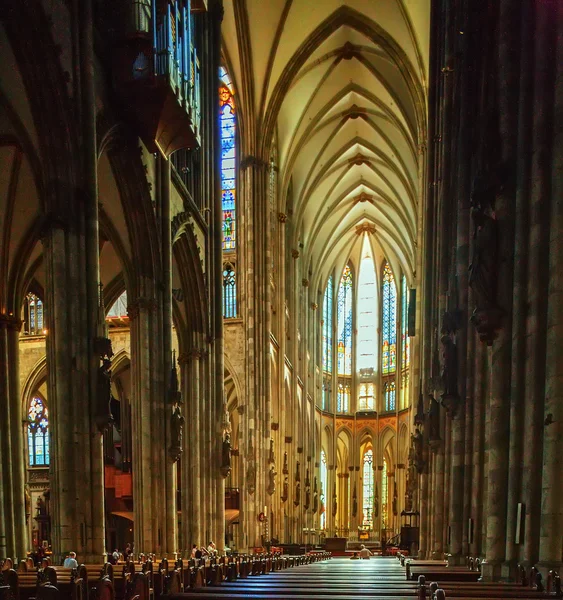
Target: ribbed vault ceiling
x,y
341,88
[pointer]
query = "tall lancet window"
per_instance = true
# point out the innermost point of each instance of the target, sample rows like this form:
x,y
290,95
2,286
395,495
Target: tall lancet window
x,y
327,342
367,328
324,486
227,127
368,486
345,299
345,302
388,336
384,496
38,433
405,355
389,319
227,124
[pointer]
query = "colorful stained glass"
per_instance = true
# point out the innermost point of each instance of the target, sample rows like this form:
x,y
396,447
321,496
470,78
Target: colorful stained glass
x,y
368,487
345,301
227,126
384,495
38,433
367,307
229,292
327,326
404,323
389,395
389,322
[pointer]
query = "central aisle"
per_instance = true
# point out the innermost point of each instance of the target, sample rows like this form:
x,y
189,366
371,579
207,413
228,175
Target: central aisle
x,y
341,578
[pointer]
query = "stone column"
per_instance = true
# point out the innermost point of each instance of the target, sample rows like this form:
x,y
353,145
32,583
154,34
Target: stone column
x,y
551,524
7,525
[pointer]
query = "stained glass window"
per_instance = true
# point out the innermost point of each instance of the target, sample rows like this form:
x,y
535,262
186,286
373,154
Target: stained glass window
x,y
389,395
324,486
367,396
229,292
367,315
227,125
38,433
345,300
327,326
404,323
343,399
389,319
368,486
33,315
384,499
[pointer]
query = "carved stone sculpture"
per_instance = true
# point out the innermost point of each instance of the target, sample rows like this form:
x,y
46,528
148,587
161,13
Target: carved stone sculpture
x,y
272,456
354,501
297,497
285,469
376,502
251,477
226,455
395,511
450,395
416,440
271,480
315,497
176,430
285,492
334,502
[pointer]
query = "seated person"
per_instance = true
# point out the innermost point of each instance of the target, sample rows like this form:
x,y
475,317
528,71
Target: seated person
x,y
355,556
70,561
212,549
365,553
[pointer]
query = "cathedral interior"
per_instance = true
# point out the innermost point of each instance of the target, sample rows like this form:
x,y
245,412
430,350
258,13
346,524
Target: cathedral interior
x,y
282,274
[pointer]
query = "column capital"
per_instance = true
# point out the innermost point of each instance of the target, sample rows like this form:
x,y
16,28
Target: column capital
x,y
141,303
252,161
10,321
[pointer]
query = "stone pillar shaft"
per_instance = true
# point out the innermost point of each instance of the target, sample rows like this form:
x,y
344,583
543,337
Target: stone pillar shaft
x,y
551,524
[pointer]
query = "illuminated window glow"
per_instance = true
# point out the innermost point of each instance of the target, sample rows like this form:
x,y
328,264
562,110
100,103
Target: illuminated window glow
x,y
389,322
345,300
227,125
368,490
324,485
38,433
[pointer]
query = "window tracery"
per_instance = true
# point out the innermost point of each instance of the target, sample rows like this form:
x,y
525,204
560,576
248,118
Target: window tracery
x,y
327,328
389,320
368,489
229,291
227,125
384,495
38,433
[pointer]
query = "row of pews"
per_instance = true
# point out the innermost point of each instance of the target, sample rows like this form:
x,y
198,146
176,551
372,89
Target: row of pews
x,y
436,580
137,580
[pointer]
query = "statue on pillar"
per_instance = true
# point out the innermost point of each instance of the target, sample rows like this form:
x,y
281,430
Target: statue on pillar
x,y
271,480
307,502
416,441
334,502
176,429
315,496
226,454
285,492
376,502
297,474
285,469
103,400
297,497
395,511
271,456
354,502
